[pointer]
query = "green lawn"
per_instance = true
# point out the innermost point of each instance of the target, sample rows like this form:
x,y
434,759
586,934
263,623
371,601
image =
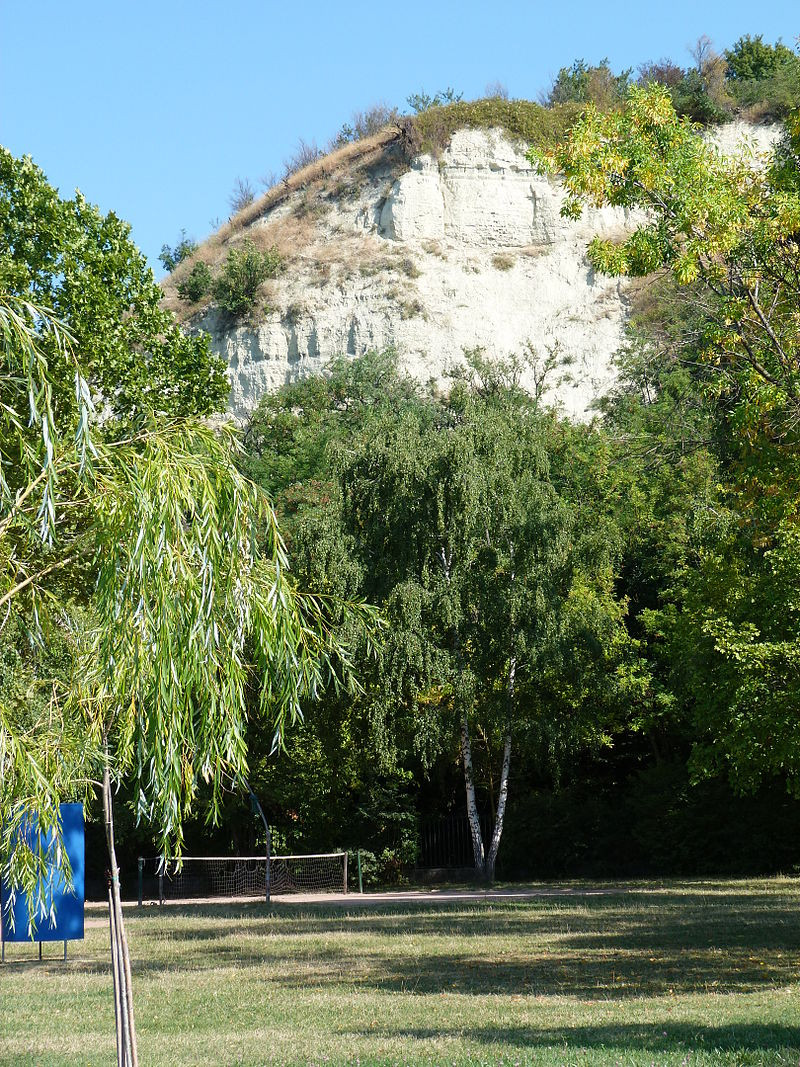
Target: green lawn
x,y
691,974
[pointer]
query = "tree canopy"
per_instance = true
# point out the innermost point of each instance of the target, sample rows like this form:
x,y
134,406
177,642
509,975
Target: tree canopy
x,y
66,256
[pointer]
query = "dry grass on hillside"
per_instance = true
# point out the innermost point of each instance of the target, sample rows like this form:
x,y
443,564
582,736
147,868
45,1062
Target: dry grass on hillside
x,y
292,233
309,192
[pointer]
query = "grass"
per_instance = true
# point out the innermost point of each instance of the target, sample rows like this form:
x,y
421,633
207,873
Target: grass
x,y
691,974
522,120
346,164
341,173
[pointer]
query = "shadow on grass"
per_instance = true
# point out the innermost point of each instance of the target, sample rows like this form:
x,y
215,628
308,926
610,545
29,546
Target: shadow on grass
x,y
613,947
666,1037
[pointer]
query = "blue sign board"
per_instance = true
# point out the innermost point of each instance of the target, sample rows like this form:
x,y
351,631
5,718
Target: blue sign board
x,y
67,903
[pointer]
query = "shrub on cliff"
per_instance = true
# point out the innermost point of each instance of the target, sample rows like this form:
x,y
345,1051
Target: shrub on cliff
x,y
244,272
171,257
583,84
431,130
196,284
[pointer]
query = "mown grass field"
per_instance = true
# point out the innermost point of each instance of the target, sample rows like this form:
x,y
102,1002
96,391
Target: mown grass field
x,y
689,974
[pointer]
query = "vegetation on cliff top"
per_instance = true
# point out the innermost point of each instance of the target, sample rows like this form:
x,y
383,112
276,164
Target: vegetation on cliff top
x,y
753,79
522,120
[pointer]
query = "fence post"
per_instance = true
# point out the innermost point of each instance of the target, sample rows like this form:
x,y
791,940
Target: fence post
x,y
360,883
161,885
345,873
269,863
141,878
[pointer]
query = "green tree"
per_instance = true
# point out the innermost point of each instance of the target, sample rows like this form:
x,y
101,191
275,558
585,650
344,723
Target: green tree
x,y
183,248
726,232
194,607
467,543
751,60
359,465
717,224
65,256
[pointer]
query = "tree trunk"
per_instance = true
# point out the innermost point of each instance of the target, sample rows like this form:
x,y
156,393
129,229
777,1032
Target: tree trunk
x,y
472,808
466,749
502,797
494,847
127,1055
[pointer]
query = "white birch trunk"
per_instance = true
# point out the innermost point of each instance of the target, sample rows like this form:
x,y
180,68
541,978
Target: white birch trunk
x,y
472,808
502,797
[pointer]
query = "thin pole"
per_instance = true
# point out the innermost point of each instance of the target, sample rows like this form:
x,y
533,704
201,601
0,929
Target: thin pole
x,y
269,866
141,878
360,883
345,873
257,807
131,1058
115,975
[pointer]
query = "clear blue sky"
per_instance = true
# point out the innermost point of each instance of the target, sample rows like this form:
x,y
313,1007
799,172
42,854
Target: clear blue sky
x,y
154,109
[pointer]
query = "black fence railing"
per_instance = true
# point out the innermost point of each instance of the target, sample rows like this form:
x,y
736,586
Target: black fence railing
x,y
447,842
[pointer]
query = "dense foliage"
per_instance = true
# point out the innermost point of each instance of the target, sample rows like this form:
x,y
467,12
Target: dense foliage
x,y
82,266
760,80
593,630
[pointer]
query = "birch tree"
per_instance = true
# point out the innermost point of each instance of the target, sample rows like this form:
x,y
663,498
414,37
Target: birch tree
x,y
470,547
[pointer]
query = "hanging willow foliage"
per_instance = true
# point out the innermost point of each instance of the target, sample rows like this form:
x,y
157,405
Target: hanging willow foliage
x,y
197,609
195,615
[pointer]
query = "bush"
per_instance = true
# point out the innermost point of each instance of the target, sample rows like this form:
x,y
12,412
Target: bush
x,y
662,72
196,283
171,257
369,869
692,99
306,153
364,124
773,97
242,195
582,84
752,60
530,123
419,102
245,270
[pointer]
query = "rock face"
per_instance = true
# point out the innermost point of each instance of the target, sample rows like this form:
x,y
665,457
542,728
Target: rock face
x,y
467,251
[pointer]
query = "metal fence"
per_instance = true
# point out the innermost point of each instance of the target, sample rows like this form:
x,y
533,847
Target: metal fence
x,y
447,842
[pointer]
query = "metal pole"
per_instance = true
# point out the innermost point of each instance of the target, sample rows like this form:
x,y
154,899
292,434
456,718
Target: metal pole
x,y
345,873
141,878
360,883
256,805
269,865
161,882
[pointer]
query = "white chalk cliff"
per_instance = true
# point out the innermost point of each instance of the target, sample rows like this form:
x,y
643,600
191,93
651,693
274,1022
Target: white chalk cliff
x,y
466,251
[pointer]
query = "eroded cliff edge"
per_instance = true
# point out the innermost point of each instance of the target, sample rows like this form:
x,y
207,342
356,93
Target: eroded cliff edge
x,y
433,258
